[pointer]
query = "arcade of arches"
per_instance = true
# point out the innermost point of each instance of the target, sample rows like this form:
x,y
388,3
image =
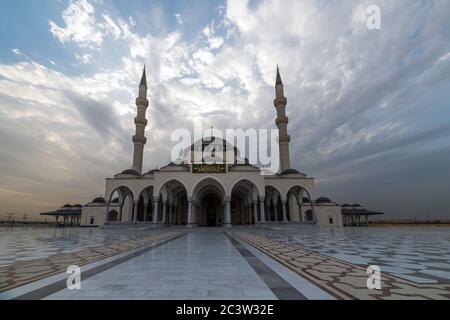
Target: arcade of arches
x,y
209,205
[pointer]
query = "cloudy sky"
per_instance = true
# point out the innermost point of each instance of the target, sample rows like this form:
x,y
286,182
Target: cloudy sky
x,y
369,109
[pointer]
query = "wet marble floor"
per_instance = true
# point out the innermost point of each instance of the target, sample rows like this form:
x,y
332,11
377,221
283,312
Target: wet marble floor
x,y
220,264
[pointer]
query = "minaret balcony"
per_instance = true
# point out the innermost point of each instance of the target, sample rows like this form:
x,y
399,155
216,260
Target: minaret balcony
x,y
142,102
281,120
141,121
284,138
280,102
139,139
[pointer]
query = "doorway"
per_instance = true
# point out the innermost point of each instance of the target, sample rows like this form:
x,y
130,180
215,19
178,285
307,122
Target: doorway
x,y
211,215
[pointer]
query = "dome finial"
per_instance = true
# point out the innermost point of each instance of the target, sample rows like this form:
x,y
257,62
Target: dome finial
x,y
278,81
144,78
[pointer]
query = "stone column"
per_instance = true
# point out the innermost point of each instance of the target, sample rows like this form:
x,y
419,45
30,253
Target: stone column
x,y
244,214
227,221
284,211
135,210
189,214
164,216
255,211
263,213
170,214
120,212
106,214
313,210
155,211
194,215
300,211
145,210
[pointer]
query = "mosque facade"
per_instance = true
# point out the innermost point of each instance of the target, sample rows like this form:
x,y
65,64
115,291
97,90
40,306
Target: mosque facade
x,y
226,193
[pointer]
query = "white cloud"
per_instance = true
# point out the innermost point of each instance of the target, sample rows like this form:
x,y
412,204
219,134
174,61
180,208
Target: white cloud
x,y
81,26
84,59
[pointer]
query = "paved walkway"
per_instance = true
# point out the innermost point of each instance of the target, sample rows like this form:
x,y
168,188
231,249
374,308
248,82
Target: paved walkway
x,y
199,265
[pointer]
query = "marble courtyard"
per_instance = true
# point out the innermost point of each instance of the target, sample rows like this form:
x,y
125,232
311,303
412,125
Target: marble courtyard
x,y
261,263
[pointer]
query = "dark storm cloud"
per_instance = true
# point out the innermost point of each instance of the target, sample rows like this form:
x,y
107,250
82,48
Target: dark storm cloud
x,y
98,114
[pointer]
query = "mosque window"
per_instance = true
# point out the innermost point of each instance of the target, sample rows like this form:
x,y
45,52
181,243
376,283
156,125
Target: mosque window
x,y
330,219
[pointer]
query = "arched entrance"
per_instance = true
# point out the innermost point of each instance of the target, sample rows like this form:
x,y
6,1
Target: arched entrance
x,y
274,204
122,197
211,205
244,207
300,205
171,205
208,205
113,215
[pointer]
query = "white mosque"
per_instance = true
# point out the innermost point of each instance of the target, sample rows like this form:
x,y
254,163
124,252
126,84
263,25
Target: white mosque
x,y
223,194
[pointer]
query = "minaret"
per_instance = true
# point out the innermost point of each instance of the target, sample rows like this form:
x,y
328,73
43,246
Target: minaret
x,y
140,121
281,122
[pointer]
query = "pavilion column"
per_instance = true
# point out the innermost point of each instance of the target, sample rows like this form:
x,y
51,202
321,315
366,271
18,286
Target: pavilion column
x,y
284,212
189,214
135,211
145,210
105,218
263,213
227,223
255,211
155,211
164,216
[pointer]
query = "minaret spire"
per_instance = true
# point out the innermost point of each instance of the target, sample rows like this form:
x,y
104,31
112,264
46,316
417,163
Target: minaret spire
x,y
278,81
140,121
282,122
143,78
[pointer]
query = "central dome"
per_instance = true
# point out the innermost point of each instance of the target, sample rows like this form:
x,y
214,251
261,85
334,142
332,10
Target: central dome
x,y
213,149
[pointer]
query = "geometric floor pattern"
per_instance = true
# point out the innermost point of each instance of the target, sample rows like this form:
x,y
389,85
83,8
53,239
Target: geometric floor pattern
x,y
25,244
23,272
418,254
343,280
